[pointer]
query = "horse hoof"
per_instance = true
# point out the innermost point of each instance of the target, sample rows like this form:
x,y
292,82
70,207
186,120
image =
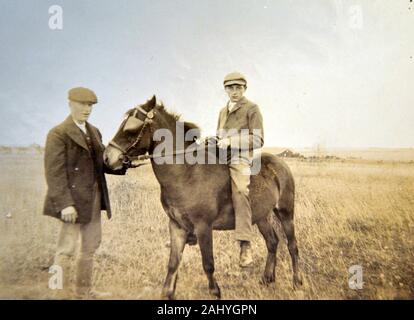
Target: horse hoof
x,y
216,292
297,281
168,295
267,279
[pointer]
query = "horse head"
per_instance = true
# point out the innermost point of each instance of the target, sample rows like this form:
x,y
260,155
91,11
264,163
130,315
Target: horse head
x,y
134,136
137,134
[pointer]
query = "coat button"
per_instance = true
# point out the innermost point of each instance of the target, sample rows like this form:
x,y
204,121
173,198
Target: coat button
x,y
76,169
73,186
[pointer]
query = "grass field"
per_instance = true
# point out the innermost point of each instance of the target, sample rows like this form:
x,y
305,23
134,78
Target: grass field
x,y
347,213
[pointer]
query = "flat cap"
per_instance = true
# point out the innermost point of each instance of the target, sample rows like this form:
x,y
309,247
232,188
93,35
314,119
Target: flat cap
x,y
82,95
234,78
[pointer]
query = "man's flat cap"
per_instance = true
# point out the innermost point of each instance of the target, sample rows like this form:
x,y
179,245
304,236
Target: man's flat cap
x,y
82,95
235,78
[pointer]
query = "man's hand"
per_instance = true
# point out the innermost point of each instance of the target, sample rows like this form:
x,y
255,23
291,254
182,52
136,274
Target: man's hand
x,y
69,214
223,143
138,163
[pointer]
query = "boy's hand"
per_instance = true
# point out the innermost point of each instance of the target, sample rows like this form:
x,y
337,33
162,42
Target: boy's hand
x,y
223,143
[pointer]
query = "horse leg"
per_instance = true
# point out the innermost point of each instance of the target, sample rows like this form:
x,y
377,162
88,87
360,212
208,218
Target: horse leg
x,y
178,238
286,218
270,236
204,234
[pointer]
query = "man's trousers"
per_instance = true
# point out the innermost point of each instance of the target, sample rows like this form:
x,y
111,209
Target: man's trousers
x,y
90,235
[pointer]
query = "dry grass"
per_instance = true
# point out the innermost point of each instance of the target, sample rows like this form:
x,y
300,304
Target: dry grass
x,y
346,213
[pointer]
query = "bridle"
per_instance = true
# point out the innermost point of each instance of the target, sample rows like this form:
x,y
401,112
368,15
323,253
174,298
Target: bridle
x,y
149,115
126,160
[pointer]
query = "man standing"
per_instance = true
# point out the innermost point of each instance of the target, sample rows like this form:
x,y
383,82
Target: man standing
x,y
240,130
77,190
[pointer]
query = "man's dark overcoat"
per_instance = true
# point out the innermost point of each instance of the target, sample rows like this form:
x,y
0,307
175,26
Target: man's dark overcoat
x,y
71,169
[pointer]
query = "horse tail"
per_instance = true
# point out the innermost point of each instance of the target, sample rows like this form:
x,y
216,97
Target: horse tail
x,y
285,183
284,210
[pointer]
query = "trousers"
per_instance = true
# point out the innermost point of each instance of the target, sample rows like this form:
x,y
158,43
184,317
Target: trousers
x,y
90,236
240,181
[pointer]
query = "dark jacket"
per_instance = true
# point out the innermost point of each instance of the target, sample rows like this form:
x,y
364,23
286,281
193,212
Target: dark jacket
x,y
71,170
245,115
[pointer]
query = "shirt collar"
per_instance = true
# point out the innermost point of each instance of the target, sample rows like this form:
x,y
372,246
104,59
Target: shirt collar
x,y
231,105
80,126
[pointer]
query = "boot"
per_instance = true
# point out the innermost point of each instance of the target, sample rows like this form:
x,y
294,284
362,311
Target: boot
x,y
246,259
84,277
66,265
86,293
84,280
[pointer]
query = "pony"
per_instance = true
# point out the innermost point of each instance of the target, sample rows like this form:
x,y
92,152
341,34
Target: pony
x,y
197,197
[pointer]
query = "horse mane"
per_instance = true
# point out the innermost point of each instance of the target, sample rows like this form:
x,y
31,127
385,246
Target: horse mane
x,y
174,117
171,115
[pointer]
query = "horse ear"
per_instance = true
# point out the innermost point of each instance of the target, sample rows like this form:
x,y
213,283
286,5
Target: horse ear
x,y
152,102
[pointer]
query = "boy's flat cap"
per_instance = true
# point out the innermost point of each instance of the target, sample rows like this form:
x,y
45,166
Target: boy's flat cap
x,y
235,78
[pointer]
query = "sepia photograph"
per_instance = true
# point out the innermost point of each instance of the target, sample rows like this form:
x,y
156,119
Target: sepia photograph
x,y
207,150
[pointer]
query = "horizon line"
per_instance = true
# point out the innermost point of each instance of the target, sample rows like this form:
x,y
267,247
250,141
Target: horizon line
x,y
314,147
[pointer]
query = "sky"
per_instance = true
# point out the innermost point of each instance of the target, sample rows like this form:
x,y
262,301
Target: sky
x,y
324,72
